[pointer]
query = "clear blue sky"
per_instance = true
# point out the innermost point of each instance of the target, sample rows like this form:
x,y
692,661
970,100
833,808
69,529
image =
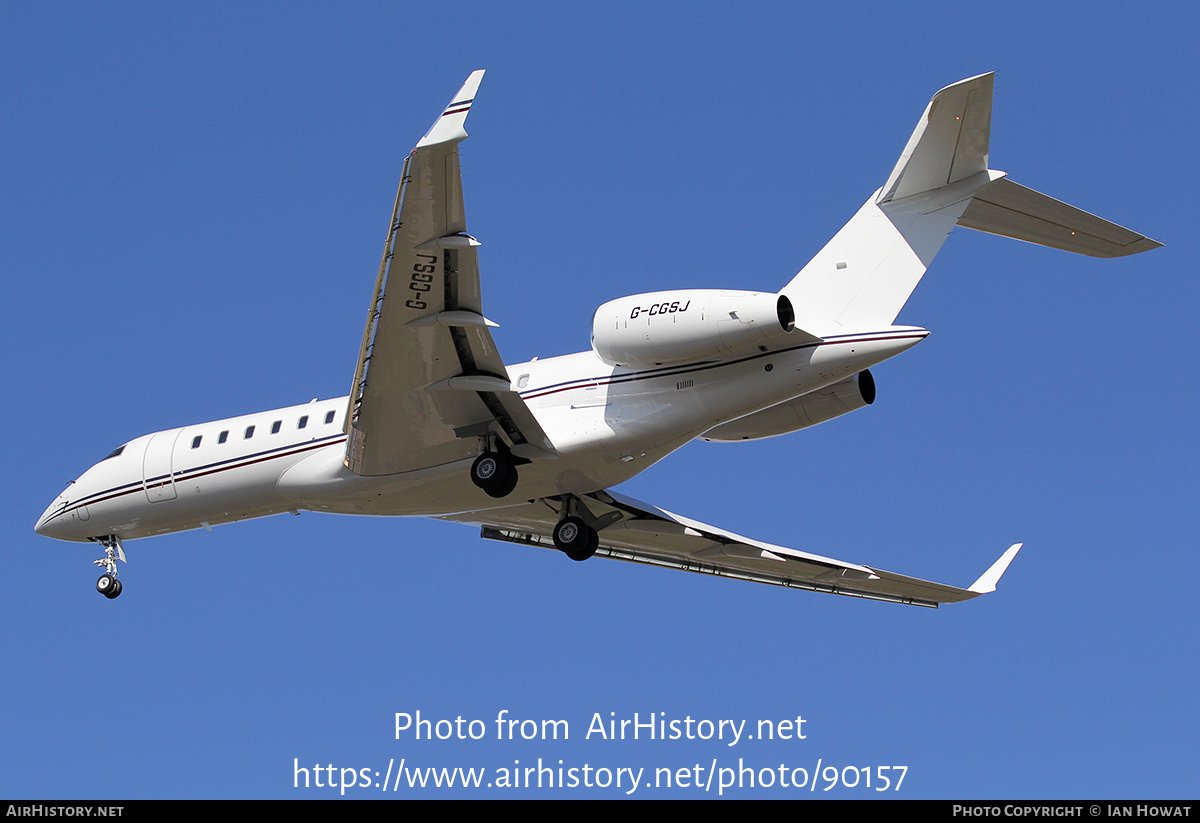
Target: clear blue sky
x,y
193,199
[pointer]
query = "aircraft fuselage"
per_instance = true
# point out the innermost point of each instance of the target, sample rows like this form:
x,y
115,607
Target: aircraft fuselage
x,y
607,424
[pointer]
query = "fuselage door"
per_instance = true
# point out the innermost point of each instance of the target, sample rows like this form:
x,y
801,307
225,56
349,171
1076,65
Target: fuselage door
x,y
156,467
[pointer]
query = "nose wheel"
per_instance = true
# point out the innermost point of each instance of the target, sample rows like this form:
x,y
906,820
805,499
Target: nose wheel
x,y
108,584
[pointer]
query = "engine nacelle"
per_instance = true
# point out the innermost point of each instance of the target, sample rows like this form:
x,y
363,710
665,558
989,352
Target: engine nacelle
x,y
801,412
668,327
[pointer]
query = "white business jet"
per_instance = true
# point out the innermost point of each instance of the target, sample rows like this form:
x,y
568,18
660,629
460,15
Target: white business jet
x,y
436,425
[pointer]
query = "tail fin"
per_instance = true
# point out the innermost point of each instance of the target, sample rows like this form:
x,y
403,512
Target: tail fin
x,y
865,274
950,142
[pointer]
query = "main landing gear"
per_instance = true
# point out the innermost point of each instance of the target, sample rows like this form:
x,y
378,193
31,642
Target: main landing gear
x,y
494,473
108,584
577,532
574,538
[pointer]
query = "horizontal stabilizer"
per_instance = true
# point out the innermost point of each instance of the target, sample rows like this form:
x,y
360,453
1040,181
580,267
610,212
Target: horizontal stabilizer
x,y
1012,210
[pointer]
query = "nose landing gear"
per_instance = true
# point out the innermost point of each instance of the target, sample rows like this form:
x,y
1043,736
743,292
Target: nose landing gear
x,y
108,584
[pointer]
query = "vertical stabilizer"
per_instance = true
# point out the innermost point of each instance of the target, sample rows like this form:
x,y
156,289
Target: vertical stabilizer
x,y
950,142
865,274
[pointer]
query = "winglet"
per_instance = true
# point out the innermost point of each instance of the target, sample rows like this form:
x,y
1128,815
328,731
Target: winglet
x,y
449,126
987,581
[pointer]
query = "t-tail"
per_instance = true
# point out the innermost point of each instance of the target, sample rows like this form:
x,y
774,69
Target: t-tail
x,y
865,274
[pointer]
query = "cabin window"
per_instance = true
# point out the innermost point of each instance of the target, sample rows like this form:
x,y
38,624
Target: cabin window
x,y
115,453
196,441
303,422
223,436
522,381
276,426
249,432
328,418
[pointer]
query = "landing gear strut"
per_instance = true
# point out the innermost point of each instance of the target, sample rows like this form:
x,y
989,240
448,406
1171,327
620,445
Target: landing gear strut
x,y
108,584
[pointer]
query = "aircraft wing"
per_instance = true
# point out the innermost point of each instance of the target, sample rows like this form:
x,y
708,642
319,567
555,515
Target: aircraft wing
x,y
637,532
429,380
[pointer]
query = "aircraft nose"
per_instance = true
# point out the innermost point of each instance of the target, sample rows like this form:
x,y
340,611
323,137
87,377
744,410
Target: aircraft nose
x,y
46,525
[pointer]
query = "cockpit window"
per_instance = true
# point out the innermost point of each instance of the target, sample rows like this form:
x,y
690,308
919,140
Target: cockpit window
x,y
115,453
